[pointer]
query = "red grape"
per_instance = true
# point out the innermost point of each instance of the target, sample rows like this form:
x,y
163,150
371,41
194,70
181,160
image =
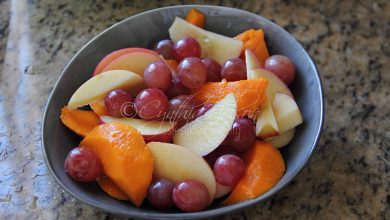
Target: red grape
x,y
187,47
160,194
151,104
183,109
281,66
83,165
242,135
166,49
191,196
192,72
217,153
119,103
229,169
204,109
233,70
177,88
158,75
213,70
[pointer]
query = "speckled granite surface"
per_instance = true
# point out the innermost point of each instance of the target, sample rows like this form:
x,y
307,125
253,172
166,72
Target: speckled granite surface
x,y
347,178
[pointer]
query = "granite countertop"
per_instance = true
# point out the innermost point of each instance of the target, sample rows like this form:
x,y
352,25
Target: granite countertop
x,y
349,174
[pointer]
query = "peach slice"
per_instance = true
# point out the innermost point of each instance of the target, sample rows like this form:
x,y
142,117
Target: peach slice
x,y
177,163
96,88
207,132
161,131
136,61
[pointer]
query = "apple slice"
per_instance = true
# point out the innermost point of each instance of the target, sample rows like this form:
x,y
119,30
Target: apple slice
x,y
135,61
251,60
286,112
161,131
266,125
207,132
281,140
215,46
96,88
177,163
274,83
222,190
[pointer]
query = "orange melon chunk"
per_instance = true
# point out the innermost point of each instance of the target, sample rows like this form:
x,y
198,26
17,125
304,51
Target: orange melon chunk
x,y
125,158
264,167
79,121
250,94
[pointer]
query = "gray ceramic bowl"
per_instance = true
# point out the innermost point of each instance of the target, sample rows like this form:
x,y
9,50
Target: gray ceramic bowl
x,y
143,30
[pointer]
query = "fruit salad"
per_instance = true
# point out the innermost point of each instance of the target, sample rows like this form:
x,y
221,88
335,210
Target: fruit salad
x,y
196,120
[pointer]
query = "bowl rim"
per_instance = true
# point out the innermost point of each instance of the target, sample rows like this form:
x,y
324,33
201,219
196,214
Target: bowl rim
x,y
206,213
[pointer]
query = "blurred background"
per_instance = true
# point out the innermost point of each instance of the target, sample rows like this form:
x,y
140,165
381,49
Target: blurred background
x,y
348,176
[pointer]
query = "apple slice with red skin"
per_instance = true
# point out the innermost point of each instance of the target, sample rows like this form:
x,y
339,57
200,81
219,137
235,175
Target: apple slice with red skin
x,y
159,131
281,140
131,59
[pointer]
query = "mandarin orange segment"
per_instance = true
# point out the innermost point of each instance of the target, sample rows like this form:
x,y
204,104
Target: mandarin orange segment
x,y
254,40
264,167
250,94
108,186
125,158
79,121
99,108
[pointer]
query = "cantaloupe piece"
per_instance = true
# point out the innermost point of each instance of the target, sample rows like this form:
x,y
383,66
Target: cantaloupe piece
x,y
264,167
125,158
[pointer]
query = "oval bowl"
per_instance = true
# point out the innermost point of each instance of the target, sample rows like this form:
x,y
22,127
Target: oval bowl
x,y
143,30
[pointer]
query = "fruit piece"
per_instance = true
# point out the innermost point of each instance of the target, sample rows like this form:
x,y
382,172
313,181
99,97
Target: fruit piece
x,y
125,158
83,165
196,18
177,88
99,108
166,49
206,133
151,104
79,121
108,186
113,55
204,109
281,66
119,103
251,60
214,46
228,169
187,47
233,69
266,125
254,40
274,83
182,109
286,112
135,61
213,70
96,88
192,72
160,194
242,135
177,164
151,130
172,64
191,196
281,140
217,153
264,167
249,94
158,75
